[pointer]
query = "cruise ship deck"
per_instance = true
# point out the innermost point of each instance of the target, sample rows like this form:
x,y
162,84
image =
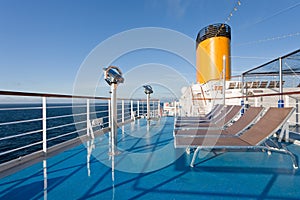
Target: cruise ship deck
x,y
51,148
79,118
149,167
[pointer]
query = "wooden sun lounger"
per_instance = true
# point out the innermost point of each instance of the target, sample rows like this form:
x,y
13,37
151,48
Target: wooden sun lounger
x,y
253,139
213,113
225,117
250,116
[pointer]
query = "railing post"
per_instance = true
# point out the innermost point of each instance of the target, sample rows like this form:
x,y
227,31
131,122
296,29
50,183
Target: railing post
x,y
287,100
138,108
153,108
287,131
123,114
175,114
256,101
88,117
131,109
44,107
297,114
158,108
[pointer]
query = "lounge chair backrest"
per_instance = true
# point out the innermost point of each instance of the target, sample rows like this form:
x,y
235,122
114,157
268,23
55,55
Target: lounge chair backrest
x,y
214,110
244,121
229,116
272,120
220,115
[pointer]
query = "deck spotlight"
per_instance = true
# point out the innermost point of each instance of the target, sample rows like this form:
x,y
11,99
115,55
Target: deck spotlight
x,y
113,76
148,91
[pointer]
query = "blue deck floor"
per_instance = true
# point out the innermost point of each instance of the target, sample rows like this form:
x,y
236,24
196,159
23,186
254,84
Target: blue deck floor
x,y
149,167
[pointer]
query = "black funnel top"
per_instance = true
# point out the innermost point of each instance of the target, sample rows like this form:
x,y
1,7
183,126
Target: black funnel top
x,y
214,30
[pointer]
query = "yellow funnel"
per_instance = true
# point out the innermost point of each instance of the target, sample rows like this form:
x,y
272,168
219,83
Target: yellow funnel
x,y
213,42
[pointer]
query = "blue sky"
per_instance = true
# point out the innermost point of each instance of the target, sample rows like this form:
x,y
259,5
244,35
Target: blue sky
x,y
44,43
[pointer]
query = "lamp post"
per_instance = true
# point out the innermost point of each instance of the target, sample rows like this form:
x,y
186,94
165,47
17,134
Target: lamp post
x,y
224,79
148,91
113,76
280,101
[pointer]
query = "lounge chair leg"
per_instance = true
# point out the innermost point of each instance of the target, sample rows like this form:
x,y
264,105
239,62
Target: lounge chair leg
x,y
268,151
276,143
194,157
188,150
215,153
293,157
287,133
283,130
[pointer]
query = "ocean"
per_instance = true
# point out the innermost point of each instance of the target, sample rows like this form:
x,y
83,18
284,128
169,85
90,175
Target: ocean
x,y
64,122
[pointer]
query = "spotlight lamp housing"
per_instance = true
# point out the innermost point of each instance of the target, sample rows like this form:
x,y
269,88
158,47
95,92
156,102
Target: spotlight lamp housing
x,y
148,89
113,75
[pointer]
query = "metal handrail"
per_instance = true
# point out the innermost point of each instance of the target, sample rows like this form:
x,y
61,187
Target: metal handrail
x,y
33,94
58,107
19,135
64,116
66,134
23,108
65,125
105,123
96,112
20,148
128,105
20,121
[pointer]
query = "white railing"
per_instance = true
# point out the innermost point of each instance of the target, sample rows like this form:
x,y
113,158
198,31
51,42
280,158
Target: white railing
x,y
32,122
291,99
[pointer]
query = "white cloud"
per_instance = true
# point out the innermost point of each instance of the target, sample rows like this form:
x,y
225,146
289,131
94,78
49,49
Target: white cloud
x,y
175,8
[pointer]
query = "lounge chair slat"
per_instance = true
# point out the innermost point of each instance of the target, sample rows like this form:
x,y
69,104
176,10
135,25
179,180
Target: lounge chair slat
x,y
274,119
224,118
266,126
218,116
241,124
213,113
210,142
